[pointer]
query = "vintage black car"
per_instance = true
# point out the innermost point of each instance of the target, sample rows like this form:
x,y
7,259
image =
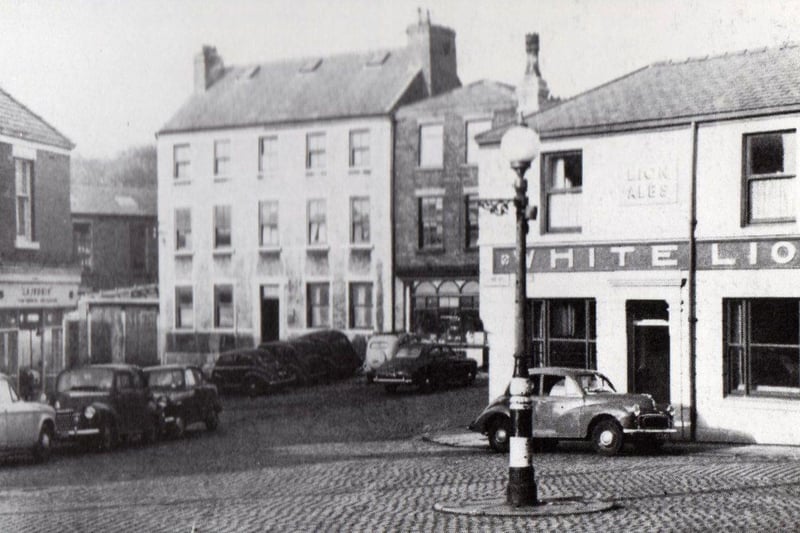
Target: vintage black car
x,y
184,397
426,366
578,404
102,404
336,350
251,371
301,358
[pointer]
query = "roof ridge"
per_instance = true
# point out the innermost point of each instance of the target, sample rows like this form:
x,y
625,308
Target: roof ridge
x,y
38,117
302,59
723,55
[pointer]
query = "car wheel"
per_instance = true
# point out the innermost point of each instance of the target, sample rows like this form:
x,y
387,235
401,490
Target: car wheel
x,y
253,387
607,437
108,438
212,420
391,389
41,452
150,433
370,378
179,427
499,434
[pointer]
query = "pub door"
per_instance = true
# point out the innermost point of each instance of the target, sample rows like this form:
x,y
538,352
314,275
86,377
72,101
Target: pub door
x,y
270,313
649,348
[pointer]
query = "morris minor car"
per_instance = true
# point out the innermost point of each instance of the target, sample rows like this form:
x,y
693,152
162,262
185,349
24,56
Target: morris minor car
x,y
24,426
577,404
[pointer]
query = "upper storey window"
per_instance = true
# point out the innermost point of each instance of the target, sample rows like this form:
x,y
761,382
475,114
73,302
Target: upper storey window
x,y
23,171
268,154
222,158
562,184
359,149
769,177
431,145
315,151
181,161
475,127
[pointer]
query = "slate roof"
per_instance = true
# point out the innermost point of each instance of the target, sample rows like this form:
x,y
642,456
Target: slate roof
x,y
483,93
340,86
747,83
18,121
112,200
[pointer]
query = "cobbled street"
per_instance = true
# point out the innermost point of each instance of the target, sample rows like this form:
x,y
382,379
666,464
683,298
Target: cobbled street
x,y
242,478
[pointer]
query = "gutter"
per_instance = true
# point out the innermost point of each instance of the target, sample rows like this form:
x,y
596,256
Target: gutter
x,y
693,289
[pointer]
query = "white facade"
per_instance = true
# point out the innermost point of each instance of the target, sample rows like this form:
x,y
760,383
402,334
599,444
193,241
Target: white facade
x,y
634,248
279,271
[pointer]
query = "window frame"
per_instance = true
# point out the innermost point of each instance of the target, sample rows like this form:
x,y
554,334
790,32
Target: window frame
x,y
217,227
317,152
222,161
262,224
360,223
317,219
471,206
311,305
423,225
86,261
267,159
180,164
141,230
471,147
547,191
353,304
28,180
218,288
187,235
363,150
540,346
424,161
177,319
747,179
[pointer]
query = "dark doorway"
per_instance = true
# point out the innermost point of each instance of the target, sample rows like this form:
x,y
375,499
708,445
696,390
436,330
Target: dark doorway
x,y
648,348
270,315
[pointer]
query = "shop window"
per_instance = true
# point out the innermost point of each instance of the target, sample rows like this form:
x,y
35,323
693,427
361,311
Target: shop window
x,y
23,170
268,223
359,149
562,184
471,230
222,158
431,223
762,346
317,224
563,333
318,305
183,229
361,305
431,146
475,127
181,161
82,244
359,220
769,180
184,308
446,311
315,151
223,306
268,154
222,226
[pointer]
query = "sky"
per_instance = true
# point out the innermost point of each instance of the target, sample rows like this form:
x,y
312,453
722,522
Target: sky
x,y
108,74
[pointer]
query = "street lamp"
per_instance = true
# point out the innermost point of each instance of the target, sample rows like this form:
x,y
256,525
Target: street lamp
x,y
520,146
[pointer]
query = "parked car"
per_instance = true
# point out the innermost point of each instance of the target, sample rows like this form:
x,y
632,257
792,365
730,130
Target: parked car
x,y
381,348
250,371
184,397
102,404
426,366
578,404
309,367
335,348
25,426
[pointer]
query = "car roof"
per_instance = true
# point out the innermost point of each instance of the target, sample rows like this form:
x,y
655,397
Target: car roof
x,y
174,366
561,370
110,366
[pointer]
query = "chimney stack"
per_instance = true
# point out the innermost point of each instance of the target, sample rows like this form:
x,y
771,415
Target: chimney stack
x,y
435,50
208,68
532,92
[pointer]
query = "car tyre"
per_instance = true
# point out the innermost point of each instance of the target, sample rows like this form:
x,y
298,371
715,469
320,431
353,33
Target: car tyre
x,y
179,427
607,437
150,433
44,445
212,420
370,378
391,389
499,434
108,438
253,387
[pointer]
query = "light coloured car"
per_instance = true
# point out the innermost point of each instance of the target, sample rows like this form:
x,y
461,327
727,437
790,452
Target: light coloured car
x,y
577,404
25,426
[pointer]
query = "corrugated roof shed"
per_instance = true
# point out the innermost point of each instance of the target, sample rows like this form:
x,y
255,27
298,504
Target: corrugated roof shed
x,y
348,85
18,121
670,93
112,200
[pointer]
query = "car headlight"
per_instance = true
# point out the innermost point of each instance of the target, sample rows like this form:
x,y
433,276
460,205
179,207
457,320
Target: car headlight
x,y
57,405
163,402
636,410
89,412
670,410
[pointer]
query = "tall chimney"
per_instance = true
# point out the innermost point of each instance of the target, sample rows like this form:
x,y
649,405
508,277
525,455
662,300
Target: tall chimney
x,y
208,68
435,50
532,92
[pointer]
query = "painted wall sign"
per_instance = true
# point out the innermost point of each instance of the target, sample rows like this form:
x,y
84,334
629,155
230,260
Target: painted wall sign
x,y
723,255
647,185
38,295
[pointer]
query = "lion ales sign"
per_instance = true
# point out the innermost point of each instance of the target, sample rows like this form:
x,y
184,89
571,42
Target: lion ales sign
x,y
722,255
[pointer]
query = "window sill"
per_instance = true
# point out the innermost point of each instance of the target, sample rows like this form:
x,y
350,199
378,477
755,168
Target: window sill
x,y
184,253
267,175
357,171
269,249
430,169
222,252
314,173
317,248
182,181
221,179
25,244
365,246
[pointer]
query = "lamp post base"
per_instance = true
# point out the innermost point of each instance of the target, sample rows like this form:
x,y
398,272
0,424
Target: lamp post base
x,y
521,487
544,507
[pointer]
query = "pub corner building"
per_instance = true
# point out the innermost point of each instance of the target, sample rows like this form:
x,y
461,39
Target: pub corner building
x,y
38,278
667,246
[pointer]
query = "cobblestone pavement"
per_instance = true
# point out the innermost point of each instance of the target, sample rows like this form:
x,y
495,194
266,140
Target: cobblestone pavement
x,y
392,486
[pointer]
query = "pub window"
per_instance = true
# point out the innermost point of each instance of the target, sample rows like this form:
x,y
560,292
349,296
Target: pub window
x,y
359,220
475,127
769,177
315,151
563,332
184,308
222,157
268,154
317,226
762,346
268,223
359,148
446,310
361,305
223,306
318,305
183,229
23,170
471,222
222,226
431,145
431,223
562,183
181,161
82,244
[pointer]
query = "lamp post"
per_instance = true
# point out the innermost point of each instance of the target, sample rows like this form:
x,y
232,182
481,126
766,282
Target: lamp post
x,y
520,146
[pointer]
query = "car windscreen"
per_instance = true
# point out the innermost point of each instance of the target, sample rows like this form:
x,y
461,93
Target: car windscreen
x,y
98,379
594,383
167,378
409,352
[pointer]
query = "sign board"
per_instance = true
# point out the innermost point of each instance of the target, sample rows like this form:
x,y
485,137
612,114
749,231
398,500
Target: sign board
x,y
38,295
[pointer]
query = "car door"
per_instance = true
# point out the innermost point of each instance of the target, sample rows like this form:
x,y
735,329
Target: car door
x,y
21,422
560,408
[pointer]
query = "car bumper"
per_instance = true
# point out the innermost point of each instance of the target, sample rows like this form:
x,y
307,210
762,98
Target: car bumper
x,y
638,431
393,380
77,433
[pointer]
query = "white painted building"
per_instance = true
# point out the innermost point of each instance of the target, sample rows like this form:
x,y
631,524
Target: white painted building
x,y
617,271
274,205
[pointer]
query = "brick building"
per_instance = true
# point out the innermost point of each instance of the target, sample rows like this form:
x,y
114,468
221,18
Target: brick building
x,y
274,199
38,279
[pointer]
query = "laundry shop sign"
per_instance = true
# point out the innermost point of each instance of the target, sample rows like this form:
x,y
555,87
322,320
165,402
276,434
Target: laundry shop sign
x,y
742,254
